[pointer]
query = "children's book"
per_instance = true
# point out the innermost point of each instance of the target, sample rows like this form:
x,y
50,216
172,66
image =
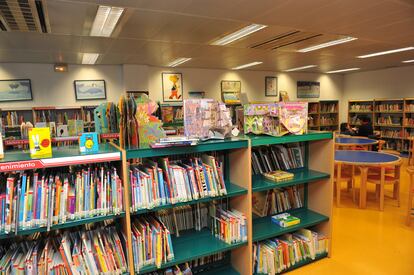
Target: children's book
x,y
285,220
278,175
40,143
88,143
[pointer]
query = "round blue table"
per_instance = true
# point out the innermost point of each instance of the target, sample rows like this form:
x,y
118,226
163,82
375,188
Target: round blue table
x,y
364,159
355,141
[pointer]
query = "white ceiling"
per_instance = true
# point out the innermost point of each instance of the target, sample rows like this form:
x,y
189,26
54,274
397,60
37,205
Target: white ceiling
x,y
155,32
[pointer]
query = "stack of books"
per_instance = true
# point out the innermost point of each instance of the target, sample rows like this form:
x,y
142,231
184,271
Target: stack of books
x,y
276,255
174,141
285,220
277,157
278,176
100,251
45,198
151,243
159,183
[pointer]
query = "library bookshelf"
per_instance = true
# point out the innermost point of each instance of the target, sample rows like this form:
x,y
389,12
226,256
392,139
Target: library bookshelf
x,y
393,118
316,176
323,115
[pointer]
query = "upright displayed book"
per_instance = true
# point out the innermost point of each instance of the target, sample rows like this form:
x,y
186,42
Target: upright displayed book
x,y
40,143
88,143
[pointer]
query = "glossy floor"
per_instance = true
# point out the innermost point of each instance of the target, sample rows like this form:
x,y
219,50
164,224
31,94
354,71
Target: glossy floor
x,y
367,241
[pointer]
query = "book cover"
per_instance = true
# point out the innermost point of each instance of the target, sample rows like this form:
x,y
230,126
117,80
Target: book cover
x,y
40,143
285,220
88,143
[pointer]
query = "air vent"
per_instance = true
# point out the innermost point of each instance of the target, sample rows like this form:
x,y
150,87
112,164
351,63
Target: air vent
x,y
24,16
284,39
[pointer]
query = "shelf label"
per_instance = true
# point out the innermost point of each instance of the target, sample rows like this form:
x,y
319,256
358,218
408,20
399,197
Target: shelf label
x,y
110,135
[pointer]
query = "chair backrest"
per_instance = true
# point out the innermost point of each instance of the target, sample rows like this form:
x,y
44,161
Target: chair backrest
x,y
381,143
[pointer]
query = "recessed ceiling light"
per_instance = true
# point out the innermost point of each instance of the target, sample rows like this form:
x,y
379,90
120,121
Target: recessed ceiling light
x,y
328,44
386,52
238,34
178,61
89,58
300,68
343,70
408,61
105,20
247,65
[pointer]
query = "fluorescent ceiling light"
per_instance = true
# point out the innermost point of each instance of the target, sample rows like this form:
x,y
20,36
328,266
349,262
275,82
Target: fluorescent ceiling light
x,y
247,65
105,20
327,44
300,68
386,52
343,70
89,58
408,61
238,34
178,61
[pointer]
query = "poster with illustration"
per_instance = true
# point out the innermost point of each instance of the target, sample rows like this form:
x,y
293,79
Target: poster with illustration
x,y
172,87
15,89
90,89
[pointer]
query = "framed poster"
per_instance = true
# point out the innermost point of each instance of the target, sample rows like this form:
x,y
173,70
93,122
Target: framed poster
x,y
308,89
270,86
90,89
230,91
172,87
15,90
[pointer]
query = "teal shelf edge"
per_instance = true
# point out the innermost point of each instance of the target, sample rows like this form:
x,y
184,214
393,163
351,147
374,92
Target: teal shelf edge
x,y
301,263
206,146
269,140
193,245
260,183
173,124
67,224
225,270
232,191
264,228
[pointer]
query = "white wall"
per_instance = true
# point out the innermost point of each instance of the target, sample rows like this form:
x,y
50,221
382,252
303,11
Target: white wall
x,y
387,83
56,89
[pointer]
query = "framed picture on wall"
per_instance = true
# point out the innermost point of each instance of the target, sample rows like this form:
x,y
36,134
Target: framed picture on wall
x,y
230,91
15,90
172,87
308,89
270,86
90,89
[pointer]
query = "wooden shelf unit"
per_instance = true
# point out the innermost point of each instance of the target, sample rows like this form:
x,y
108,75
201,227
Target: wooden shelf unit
x,y
323,115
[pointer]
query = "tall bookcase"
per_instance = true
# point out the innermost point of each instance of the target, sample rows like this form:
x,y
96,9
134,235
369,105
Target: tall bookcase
x,y
393,118
323,115
316,176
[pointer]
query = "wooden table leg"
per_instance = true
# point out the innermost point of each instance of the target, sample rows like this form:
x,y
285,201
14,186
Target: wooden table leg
x,y
338,184
363,189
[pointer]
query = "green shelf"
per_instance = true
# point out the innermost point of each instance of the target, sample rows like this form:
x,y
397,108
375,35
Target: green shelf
x,y
225,270
67,224
301,263
264,228
232,191
173,124
269,140
193,245
206,146
260,183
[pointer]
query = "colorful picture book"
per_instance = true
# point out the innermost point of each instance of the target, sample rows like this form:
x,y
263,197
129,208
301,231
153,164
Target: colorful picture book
x,y
277,255
285,220
294,116
262,119
40,143
229,226
88,143
99,251
266,159
168,182
278,176
277,200
55,196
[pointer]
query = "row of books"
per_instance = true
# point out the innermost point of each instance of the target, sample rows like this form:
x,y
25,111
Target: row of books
x,y
277,200
392,133
98,251
326,120
329,108
408,121
389,107
277,255
313,121
409,107
168,182
229,226
389,120
277,157
360,108
313,107
408,133
397,145
45,198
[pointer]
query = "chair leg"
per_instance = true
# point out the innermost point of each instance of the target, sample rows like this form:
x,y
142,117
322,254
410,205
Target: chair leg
x,y
377,191
338,193
397,192
382,183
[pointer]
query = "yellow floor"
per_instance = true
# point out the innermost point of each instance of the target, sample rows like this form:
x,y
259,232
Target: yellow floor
x,y
367,241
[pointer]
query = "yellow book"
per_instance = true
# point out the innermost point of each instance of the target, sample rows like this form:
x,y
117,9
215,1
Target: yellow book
x,y
100,255
40,143
158,259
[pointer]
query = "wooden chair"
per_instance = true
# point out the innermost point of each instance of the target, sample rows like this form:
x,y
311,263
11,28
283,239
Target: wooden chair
x,y
410,209
381,149
382,178
343,173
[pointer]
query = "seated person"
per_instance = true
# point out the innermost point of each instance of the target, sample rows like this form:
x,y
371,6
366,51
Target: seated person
x,y
365,129
345,129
